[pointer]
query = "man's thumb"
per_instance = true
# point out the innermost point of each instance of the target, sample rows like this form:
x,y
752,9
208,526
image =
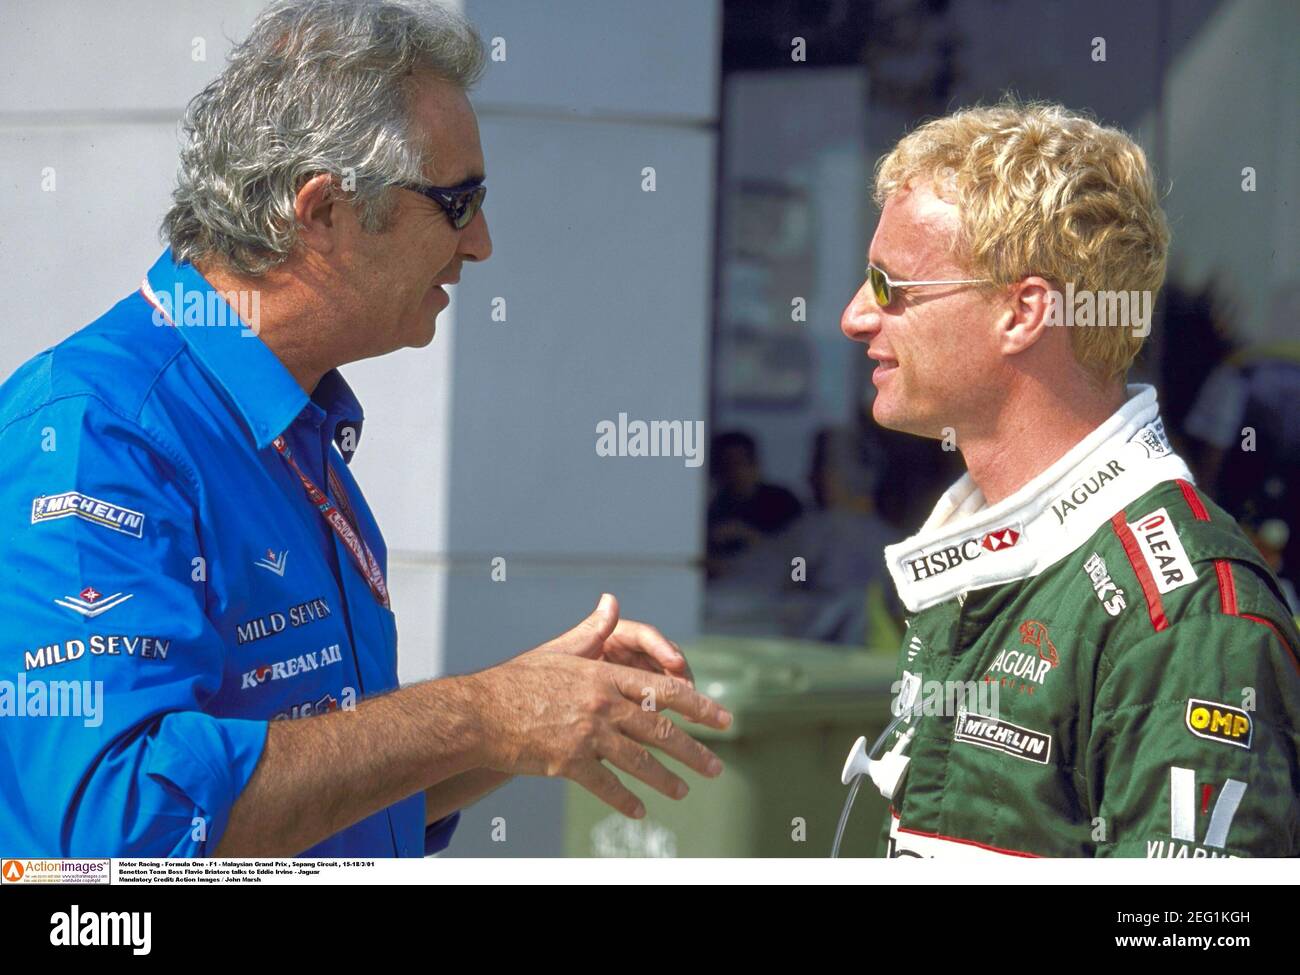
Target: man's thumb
x,y
605,617
589,636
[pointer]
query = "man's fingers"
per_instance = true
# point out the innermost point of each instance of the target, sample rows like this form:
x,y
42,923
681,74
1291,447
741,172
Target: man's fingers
x,y
605,786
669,693
632,636
587,639
660,731
639,763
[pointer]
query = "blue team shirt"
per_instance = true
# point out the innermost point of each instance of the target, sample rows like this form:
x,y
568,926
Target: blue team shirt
x,y
161,559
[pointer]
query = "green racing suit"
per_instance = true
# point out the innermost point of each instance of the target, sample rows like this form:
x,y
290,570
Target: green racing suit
x,y
1099,665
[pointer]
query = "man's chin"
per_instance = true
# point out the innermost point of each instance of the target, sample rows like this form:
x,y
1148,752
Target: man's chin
x,y
424,335
893,416
421,332
887,414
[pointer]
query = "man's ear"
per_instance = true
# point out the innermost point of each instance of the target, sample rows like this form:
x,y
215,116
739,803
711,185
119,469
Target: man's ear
x,y
314,211
1028,315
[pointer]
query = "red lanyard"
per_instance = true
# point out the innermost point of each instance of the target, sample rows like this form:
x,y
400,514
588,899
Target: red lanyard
x,y
343,525
351,538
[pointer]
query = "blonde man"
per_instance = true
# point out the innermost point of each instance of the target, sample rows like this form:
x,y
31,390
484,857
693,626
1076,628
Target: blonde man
x,y
1097,662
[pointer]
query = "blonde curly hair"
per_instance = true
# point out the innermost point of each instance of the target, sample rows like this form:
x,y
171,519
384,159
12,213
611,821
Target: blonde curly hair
x,y
1044,191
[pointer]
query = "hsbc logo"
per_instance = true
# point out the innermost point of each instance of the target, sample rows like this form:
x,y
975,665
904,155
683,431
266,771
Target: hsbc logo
x,y
995,541
937,563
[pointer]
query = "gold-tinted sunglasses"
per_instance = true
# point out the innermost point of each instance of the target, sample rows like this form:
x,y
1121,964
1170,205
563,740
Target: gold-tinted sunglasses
x,y
883,288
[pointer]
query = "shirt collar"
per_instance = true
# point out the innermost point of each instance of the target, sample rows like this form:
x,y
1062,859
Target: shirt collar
x,y
966,544
262,390
340,411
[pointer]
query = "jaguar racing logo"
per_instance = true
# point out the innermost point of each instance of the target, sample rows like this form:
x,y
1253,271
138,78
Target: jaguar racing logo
x,y
1020,669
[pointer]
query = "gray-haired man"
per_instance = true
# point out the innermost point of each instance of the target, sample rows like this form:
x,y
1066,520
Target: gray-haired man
x,y
226,569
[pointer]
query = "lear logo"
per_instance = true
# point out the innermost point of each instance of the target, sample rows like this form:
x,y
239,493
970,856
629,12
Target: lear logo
x,y
1219,722
74,504
273,563
102,928
89,604
966,550
1163,551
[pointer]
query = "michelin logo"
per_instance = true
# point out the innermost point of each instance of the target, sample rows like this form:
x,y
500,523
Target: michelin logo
x,y
74,504
1002,736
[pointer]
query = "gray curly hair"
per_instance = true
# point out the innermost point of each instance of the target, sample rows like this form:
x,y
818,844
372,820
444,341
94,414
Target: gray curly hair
x,y
318,86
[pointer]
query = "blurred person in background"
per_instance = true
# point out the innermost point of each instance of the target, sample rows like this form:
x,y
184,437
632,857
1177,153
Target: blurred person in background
x,y
1245,422
744,509
842,540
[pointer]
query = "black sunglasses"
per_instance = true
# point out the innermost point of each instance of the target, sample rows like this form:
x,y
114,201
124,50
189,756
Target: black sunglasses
x,y
461,203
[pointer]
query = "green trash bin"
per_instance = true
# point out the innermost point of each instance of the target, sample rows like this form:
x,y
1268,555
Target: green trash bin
x,y
798,707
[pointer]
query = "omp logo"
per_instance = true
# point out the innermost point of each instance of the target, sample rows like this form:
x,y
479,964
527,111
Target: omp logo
x,y
74,504
102,928
1187,802
12,871
936,563
1219,722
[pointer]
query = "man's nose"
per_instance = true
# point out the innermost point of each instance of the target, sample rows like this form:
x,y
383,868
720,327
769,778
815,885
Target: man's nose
x,y
475,241
861,319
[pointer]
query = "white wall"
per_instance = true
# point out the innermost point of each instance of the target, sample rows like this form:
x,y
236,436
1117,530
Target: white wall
x,y
607,297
